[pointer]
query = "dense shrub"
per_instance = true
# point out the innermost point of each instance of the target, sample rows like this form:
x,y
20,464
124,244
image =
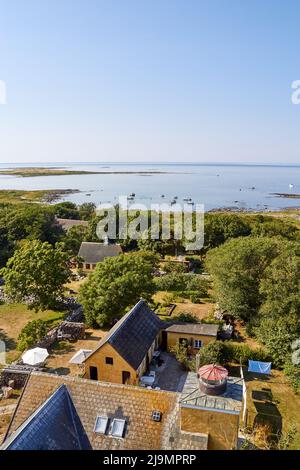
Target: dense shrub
x,y
170,267
213,353
225,352
184,317
172,281
293,374
31,334
234,352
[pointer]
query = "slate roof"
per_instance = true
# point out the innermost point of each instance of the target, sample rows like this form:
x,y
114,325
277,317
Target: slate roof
x,y
133,334
91,399
55,425
66,224
194,329
96,252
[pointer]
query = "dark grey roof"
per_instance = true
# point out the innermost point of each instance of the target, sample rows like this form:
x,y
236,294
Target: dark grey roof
x,y
194,328
95,252
55,425
133,335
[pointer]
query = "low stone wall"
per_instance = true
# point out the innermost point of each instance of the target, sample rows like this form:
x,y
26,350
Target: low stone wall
x,y
18,375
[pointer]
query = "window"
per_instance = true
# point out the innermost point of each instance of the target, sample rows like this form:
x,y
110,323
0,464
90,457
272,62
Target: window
x,y
87,266
156,416
101,424
109,360
117,428
197,343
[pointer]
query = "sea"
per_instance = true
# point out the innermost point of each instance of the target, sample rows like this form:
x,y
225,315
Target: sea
x,y
239,187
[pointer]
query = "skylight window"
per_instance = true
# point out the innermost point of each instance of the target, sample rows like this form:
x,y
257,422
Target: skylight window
x,y
156,416
118,427
101,424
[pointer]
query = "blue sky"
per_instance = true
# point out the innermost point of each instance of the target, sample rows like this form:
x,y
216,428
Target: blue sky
x,y
155,80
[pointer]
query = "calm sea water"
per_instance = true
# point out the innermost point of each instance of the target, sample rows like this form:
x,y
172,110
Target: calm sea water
x,y
214,185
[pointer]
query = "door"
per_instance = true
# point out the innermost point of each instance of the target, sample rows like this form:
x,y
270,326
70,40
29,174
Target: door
x,y
164,340
93,373
125,377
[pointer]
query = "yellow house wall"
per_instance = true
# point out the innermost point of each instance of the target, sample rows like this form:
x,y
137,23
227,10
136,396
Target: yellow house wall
x,y
108,372
173,338
222,428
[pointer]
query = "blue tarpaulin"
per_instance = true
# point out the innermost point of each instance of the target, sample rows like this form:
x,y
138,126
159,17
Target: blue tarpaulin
x,y
260,367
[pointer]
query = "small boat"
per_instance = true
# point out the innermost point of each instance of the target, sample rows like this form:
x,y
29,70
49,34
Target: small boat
x,y
162,195
191,202
173,202
88,194
130,198
187,199
291,185
132,195
175,197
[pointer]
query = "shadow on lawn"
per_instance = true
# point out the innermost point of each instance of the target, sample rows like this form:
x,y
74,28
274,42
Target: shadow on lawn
x,y
10,343
267,410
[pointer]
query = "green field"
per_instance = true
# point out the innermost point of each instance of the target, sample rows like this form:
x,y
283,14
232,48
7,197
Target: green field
x,y
13,317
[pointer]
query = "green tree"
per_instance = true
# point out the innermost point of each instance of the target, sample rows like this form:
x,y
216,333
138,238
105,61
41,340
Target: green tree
x,y
277,334
73,238
222,227
237,268
66,210
117,284
280,285
212,353
31,334
87,210
26,221
39,271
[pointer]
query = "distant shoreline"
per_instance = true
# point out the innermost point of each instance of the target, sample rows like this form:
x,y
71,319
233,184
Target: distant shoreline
x,y
41,171
286,195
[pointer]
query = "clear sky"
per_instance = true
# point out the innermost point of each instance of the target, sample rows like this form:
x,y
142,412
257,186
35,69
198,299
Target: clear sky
x,y
149,80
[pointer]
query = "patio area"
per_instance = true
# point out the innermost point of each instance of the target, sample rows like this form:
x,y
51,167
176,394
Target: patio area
x,y
169,375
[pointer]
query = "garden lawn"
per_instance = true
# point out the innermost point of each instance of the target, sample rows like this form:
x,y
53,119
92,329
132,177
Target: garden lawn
x,y
13,317
273,401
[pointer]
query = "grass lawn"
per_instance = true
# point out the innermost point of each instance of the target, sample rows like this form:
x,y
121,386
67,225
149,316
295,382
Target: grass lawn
x,y
13,317
200,311
62,351
271,400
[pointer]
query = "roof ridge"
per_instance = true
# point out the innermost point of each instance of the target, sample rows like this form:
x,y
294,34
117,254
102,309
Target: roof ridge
x,y
98,383
120,323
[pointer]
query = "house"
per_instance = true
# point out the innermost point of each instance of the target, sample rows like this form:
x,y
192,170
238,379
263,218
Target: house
x,y
213,403
92,253
194,335
66,224
69,413
125,353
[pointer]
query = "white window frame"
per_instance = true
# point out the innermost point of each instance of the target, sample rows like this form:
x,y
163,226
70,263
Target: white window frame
x,y
103,427
115,421
196,343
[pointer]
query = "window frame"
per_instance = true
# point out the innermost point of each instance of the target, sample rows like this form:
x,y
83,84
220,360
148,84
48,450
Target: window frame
x,y
196,342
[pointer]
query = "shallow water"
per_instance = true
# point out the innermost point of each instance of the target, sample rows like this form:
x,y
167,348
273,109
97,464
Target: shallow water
x,y
214,185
